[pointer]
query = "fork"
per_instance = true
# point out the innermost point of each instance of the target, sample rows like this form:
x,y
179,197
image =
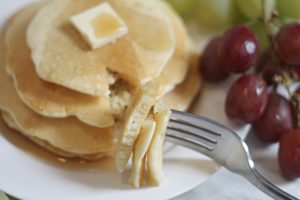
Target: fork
x,y
222,145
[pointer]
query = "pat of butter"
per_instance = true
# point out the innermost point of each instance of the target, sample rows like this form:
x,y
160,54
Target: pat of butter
x,y
100,25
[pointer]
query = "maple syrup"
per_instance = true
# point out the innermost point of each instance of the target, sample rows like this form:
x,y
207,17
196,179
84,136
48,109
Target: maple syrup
x,y
21,142
105,25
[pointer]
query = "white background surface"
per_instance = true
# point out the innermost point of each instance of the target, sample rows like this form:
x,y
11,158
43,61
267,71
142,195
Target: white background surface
x,y
225,185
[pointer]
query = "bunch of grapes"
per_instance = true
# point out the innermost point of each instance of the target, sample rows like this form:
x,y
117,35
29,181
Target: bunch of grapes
x,y
253,97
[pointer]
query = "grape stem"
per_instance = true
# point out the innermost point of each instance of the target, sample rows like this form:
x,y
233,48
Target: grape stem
x,y
296,108
268,21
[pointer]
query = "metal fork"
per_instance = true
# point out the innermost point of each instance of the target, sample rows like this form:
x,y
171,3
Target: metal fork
x,y
222,145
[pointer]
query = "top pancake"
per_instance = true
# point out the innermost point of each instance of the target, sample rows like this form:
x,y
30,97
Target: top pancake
x,y
62,56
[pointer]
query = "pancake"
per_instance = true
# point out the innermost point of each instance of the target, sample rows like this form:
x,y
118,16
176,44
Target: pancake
x,y
70,121
54,101
10,122
137,58
68,135
176,69
182,96
46,98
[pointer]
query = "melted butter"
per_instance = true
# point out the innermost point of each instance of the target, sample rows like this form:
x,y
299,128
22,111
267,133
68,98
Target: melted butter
x,y
105,25
21,142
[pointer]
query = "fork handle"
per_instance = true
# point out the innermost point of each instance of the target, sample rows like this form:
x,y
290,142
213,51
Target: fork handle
x,y
267,187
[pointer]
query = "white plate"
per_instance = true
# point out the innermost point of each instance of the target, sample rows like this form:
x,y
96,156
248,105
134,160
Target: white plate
x,y
28,172
266,160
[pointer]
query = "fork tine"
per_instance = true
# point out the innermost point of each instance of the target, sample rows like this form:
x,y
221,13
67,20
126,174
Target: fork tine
x,y
199,147
182,131
181,122
213,137
199,122
196,125
185,135
198,133
189,136
189,130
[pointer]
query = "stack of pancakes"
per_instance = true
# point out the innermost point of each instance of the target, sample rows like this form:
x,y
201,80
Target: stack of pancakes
x,y
68,98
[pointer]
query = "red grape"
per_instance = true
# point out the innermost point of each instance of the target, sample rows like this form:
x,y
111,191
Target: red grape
x,y
264,59
211,68
277,118
289,154
267,68
246,99
287,42
239,49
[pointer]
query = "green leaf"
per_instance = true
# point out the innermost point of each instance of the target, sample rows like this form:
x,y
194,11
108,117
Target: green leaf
x,y
3,196
12,198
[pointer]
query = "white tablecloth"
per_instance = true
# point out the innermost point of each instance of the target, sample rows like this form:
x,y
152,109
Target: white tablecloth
x,y
226,185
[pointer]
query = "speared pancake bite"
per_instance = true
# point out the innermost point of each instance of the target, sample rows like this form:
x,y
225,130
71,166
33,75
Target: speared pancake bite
x,y
70,95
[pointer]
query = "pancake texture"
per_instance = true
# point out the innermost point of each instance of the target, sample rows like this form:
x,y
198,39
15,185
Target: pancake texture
x,y
12,124
67,135
43,97
176,69
182,96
